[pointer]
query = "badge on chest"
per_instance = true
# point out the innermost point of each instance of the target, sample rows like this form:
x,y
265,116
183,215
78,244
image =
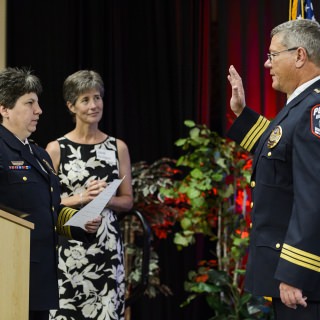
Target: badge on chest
x,y
274,137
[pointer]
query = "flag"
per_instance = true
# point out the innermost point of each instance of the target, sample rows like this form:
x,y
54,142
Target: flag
x,y
301,9
308,9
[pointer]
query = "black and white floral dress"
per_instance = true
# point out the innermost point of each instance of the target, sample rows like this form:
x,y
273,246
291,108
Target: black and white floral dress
x,y
91,276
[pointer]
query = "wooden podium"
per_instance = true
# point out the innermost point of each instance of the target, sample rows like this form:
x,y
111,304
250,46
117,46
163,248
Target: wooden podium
x,y
14,266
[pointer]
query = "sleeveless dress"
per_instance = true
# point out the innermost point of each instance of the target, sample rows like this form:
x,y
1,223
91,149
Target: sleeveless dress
x,y
91,276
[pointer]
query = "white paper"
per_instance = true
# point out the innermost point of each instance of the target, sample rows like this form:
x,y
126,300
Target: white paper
x,y
94,207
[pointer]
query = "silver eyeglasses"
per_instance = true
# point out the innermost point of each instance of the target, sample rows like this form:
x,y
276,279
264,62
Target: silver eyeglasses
x,y
273,54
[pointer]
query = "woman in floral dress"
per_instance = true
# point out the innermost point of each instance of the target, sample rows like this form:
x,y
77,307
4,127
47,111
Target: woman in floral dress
x,y
91,277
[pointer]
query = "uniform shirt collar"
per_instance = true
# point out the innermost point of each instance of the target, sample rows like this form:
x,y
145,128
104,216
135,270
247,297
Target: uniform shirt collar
x,y
301,88
25,142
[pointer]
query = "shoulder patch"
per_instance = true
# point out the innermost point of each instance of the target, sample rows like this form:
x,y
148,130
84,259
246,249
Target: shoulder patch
x,y
315,120
317,90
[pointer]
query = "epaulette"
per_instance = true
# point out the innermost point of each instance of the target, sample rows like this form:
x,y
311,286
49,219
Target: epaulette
x,y
317,90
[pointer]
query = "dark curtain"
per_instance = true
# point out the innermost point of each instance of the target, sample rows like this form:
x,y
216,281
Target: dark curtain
x,y
149,53
247,32
163,61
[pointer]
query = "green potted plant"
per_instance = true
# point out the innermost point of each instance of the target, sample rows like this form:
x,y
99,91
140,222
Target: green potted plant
x,y
204,192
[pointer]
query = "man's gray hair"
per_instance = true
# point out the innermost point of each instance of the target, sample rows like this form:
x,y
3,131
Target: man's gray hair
x,y
301,33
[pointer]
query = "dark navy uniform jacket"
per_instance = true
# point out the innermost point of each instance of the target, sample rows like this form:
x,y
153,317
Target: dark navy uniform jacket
x,y
27,187
285,234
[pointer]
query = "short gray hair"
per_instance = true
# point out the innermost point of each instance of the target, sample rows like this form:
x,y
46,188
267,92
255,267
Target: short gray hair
x,y
80,82
301,33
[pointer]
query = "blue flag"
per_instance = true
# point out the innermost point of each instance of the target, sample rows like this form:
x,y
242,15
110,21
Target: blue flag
x,y
301,9
308,9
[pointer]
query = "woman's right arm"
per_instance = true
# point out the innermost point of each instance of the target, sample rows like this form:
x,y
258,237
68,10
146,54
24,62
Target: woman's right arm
x,y
53,149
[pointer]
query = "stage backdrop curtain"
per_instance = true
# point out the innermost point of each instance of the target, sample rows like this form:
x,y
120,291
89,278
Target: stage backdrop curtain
x,y
162,62
152,55
247,30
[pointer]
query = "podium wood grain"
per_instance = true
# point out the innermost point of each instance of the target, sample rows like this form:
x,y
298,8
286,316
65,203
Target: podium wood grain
x,y
14,266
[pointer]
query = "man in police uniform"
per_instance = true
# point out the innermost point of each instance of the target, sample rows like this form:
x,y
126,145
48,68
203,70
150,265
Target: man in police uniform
x,y
284,253
29,184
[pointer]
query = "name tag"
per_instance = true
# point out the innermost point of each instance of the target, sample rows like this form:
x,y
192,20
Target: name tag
x,y
108,156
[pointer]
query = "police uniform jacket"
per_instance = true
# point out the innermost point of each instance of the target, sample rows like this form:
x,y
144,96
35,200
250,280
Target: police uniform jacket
x,y
28,184
285,234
